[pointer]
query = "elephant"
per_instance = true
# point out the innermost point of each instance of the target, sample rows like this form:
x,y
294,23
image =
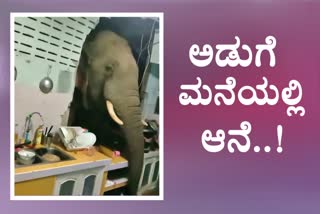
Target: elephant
x,y
107,98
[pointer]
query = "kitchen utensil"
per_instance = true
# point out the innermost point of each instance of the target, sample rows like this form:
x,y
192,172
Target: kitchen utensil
x,y
46,84
15,73
47,140
49,130
149,132
76,138
20,145
38,135
51,157
16,134
26,156
85,140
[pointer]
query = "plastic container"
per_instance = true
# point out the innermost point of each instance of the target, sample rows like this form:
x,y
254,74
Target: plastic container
x,y
38,135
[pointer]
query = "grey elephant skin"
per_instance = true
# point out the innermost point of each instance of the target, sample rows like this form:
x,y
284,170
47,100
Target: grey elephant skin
x,y
108,74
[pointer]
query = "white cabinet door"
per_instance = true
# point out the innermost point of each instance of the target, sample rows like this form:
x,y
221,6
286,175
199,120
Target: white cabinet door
x,y
84,182
91,181
67,184
150,174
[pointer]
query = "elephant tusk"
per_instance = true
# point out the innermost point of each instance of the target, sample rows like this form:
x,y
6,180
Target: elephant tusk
x,y
112,113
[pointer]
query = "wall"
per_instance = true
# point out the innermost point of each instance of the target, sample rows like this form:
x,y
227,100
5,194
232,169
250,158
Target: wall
x,y
52,106
152,87
38,43
155,49
30,71
28,97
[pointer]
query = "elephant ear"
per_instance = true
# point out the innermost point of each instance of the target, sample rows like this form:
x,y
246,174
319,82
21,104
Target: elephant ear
x,y
88,51
88,45
82,78
83,69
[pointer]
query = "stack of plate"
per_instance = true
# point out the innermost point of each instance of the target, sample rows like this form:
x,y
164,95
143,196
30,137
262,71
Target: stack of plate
x,y
74,139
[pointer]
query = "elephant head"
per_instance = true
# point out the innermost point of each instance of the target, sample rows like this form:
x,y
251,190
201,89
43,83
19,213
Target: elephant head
x,y
112,85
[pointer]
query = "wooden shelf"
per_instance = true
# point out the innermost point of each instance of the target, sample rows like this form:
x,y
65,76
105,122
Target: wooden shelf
x,y
115,184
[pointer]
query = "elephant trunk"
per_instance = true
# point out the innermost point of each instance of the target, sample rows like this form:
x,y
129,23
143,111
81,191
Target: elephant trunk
x,y
129,119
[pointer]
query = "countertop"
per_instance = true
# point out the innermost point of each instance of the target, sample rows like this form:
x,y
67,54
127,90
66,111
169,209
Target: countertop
x,y
100,157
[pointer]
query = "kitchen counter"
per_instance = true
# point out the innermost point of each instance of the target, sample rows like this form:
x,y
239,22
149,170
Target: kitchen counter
x,y
116,162
82,160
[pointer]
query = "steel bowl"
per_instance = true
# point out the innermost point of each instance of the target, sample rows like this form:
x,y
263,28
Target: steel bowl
x,y
26,156
46,85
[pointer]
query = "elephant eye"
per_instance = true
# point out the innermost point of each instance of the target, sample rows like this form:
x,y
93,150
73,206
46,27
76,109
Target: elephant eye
x,y
109,68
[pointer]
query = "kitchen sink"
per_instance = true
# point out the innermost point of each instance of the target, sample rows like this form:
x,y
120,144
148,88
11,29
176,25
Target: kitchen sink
x,y
42,151
62,155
